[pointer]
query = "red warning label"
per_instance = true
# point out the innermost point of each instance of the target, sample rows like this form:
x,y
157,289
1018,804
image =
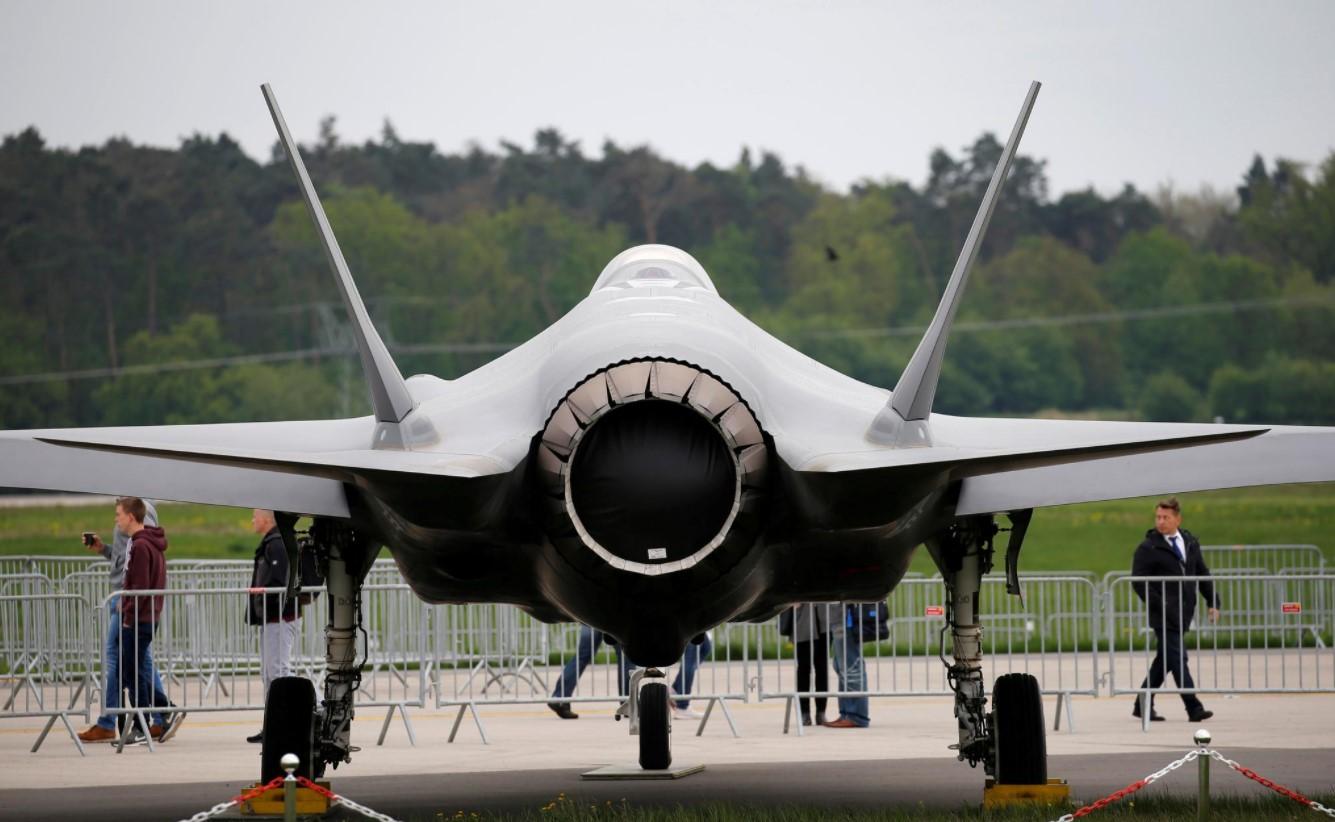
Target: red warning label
x,y
1291,607
935,610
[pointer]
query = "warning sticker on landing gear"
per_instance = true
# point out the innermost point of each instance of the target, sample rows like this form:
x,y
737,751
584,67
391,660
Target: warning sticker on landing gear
x,y
657,553
935,610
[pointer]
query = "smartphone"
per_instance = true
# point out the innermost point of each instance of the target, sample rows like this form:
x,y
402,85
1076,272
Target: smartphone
x,y
89,537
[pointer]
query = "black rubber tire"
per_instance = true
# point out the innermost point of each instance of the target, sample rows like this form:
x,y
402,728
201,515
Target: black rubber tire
x,y
1021,741
289,725
655,728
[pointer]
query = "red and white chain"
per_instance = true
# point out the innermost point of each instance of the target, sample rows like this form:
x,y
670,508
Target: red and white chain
x,y
1130,789
1274,786
277,782
244,796
344,801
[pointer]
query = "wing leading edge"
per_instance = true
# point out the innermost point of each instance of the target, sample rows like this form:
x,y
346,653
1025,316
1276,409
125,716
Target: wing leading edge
x,y
27,462
1284,454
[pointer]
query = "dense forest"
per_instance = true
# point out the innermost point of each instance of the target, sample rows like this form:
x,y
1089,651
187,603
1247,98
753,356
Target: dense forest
x,y
146,285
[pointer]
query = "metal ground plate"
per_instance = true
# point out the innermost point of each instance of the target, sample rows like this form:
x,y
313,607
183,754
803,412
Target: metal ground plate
x,y
629,772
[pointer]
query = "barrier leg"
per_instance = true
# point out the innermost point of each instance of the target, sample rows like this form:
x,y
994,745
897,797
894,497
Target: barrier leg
x,y
789,711
407,724
727,715
63,717
477,720
1064,700
384,728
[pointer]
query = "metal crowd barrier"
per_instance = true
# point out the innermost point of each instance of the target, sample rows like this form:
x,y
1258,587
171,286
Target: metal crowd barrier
x,y
1078,636
50,660
1228,559
1273,635
1051,632
497,654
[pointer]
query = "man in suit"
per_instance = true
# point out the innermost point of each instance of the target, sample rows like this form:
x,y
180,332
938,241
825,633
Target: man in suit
x,y
1169,550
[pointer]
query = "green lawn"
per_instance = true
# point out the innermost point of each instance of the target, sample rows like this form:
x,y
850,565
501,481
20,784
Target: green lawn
x,y
193,531
1096,537
1101,536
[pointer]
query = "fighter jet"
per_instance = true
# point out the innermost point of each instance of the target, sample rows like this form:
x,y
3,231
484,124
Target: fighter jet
x,y
655,464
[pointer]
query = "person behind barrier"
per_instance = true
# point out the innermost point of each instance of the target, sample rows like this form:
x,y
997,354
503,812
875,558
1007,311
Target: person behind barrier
x,y
586,645
861,623
104,730
808,625
275,614
145,570
1169,550
700,648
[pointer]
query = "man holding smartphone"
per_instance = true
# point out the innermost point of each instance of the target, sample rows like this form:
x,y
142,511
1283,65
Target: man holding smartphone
x,y
117,554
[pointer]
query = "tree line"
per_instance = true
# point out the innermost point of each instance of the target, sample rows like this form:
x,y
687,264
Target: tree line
x,y
125,267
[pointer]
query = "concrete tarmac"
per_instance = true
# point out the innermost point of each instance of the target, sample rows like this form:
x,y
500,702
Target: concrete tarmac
x,y
533,757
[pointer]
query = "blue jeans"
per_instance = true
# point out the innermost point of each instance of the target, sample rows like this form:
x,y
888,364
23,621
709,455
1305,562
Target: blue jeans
x,y
112,668
136,643
690,661
585,647
849,666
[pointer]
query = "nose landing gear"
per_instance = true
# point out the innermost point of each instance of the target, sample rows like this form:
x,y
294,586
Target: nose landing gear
x,y
647,709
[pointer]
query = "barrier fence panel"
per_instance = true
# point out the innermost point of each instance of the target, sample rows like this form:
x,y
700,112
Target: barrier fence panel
x,y
497,654
51,567
1272,559
48,666
1052,633
396,644
1273,634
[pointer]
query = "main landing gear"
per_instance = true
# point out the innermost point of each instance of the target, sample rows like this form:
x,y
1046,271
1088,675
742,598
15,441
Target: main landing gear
x,y
321,735
1009,740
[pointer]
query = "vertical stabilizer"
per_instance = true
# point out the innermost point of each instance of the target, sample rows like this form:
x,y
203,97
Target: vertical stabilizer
x,y
389,393
913,395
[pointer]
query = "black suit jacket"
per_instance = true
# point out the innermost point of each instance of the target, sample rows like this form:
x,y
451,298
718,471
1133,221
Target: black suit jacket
x,y
1171,605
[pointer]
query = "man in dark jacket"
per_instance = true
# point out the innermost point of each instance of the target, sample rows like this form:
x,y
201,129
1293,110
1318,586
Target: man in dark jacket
x,y
274,613
1169,550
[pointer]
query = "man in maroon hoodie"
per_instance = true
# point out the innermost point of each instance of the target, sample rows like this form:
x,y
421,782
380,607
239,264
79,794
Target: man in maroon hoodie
x,y
145,570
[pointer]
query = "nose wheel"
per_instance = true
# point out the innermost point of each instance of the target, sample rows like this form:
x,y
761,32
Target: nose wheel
x,y
655,727
650,719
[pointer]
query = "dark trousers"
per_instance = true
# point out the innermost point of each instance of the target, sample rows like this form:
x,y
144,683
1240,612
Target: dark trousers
x,y
1171,654
821,660
136,642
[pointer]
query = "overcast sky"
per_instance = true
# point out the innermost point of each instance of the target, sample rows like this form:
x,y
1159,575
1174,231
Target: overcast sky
x,y
1146,92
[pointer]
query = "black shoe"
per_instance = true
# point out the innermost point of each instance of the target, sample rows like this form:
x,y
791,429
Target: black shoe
x,y
256,739
172,724
806,719
1154,715
1200,716
562,709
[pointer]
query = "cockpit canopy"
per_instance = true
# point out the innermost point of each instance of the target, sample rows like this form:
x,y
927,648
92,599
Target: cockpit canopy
x,y
654,266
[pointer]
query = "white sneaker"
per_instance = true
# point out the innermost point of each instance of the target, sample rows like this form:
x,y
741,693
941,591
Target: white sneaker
x,y
685,713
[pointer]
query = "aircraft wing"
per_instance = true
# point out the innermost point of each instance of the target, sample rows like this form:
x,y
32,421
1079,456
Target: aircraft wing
x,y
971,446
1284,454
289,466
37,459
